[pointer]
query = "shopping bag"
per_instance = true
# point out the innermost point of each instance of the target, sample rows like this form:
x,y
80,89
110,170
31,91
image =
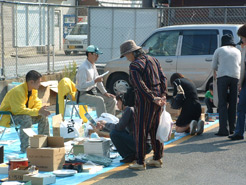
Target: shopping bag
x,y
71,128
165,126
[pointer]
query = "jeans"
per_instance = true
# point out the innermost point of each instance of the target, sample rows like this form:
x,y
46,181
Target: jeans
x,y
125,143
227,94
241,111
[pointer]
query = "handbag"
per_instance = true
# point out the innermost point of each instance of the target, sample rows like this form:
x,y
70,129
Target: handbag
x,y
178,100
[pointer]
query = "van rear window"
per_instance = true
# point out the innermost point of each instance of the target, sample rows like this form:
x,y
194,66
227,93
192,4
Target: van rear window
x,y
199,42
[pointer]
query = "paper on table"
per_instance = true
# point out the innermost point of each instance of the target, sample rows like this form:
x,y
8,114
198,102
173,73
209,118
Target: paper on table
x,y
102,75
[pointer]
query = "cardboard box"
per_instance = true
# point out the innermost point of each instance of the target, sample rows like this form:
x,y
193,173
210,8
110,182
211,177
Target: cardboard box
x,y
40,179
47,92
48,158
202,117
17,175
38,141
174,112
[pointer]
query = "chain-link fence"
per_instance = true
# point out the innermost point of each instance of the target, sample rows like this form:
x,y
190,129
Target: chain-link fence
x,y
32,36
203,15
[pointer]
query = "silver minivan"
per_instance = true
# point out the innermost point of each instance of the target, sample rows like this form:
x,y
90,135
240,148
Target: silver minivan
x,y
186,49
76,41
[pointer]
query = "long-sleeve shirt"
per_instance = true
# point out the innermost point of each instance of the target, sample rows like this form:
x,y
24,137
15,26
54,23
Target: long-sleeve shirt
x,y
15,101
146,75
126,122
208,95
227,61
85,78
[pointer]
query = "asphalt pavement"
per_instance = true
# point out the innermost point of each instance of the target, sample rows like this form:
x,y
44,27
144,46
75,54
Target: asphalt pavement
x,y
198,160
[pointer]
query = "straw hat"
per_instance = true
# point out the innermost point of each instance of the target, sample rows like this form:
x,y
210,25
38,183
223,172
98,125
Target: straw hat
x,y
127,47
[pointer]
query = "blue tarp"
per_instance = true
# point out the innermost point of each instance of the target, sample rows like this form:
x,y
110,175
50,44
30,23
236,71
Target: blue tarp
x,y
14,149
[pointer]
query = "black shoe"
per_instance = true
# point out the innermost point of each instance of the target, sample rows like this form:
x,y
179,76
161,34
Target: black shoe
x,y
128,159
236,137
221,134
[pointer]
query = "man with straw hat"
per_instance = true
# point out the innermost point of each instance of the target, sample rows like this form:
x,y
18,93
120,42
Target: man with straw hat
x,y
150,85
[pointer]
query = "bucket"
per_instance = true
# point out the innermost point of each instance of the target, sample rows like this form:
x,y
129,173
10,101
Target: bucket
x,y
16,163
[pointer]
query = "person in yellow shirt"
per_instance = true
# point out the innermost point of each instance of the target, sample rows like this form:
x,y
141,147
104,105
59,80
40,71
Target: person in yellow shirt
x,y
26,108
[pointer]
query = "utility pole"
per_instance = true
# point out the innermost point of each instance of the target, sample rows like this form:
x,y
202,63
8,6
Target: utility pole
x,y
147,4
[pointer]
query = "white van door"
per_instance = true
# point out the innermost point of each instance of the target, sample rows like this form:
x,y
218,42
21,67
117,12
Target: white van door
x,y
196,54
163,46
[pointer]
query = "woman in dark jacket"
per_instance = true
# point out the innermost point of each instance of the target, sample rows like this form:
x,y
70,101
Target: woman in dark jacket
x,y
188,120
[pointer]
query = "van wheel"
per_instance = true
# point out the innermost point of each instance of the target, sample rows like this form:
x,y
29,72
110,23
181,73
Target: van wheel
x,y
75,52
67,52
119,84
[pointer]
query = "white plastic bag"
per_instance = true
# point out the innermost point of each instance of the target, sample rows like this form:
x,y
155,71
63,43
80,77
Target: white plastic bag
x,y
109,118
165,126
71,128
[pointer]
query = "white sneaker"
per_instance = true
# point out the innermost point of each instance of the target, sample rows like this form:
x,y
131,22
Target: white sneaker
x,y
136,166
193,127
154,163
200,127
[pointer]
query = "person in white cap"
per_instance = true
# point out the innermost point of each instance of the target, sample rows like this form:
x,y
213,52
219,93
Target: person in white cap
x,y
88,83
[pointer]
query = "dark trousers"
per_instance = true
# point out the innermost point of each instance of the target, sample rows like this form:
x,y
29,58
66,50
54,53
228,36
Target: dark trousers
x,y
241,111
209,105
227,94
124,143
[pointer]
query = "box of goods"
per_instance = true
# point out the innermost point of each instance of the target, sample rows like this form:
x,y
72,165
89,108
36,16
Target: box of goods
x,y
38,141
40,179
211,117
48,158
18,173
97,147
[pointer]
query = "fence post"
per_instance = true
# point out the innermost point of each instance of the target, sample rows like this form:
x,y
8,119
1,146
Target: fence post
x,y
2,35
16,42
48,40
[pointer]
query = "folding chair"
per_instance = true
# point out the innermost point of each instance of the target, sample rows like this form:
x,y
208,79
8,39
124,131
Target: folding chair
x,y
12,120
69,101
67,90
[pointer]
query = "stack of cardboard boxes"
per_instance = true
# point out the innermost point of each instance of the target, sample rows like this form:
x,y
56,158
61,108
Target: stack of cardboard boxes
x,y
47,153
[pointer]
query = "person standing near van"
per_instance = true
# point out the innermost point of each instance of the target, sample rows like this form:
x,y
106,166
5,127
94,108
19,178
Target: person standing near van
x,y
88,81
241,107
150,87
226,66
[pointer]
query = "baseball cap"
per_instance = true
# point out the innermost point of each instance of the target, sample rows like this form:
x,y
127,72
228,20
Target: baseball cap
x,y
93,49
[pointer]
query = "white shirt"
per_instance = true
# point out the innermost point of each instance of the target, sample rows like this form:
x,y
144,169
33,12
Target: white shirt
x,y
227,62
85,78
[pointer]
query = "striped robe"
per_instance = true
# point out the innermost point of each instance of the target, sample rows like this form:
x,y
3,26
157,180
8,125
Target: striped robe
x,y
149,81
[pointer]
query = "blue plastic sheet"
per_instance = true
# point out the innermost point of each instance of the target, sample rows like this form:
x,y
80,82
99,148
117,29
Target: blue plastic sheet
x,y
14,149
